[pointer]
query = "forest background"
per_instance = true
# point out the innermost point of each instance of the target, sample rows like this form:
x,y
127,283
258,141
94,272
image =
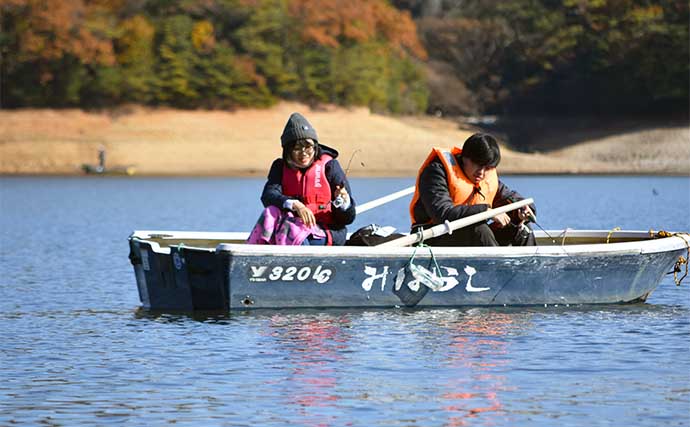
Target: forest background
x,y
624,59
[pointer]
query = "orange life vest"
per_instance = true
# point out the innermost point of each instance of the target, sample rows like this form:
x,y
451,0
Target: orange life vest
x,y
461,189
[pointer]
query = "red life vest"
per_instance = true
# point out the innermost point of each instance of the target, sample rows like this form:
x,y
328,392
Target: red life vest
x,y
460,188
311,188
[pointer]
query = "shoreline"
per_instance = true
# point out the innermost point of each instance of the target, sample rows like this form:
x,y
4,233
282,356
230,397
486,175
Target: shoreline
x,y
161,142
241,174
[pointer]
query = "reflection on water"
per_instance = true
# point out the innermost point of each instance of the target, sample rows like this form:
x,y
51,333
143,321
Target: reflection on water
x,y
175,316
479,352
465,351
451,367
313,347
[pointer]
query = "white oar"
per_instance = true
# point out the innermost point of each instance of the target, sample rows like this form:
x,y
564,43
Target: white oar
x,y
385,199
441,229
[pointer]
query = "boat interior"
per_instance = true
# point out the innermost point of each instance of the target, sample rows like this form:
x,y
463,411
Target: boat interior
x,y
566,237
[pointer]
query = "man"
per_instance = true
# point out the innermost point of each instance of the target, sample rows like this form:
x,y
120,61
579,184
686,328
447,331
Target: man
x,y
462,182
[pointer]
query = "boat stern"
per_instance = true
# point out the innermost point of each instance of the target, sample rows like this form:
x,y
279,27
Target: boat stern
x,y
177,277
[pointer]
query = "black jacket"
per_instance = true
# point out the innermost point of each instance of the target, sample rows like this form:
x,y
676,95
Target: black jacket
x,y
435,203
273,193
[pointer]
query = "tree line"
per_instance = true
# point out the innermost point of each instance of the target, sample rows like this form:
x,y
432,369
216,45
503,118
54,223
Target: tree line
x,y
210,53
555,56
402,56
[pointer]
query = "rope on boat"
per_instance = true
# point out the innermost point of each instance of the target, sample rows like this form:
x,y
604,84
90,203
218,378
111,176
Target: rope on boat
x,y
610,233
431,252
420,242
676,270
682,260
432,280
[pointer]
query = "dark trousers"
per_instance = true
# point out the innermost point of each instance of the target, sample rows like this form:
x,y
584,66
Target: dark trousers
x,y
314,241
483,235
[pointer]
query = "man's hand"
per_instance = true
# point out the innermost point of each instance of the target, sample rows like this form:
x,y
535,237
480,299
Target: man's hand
x,y
304,213
525,214
502,220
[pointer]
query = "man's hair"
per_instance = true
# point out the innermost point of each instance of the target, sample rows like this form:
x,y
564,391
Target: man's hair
x,y
482,149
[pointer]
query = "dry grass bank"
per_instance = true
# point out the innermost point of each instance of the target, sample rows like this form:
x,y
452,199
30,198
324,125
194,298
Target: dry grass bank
x,y
174,142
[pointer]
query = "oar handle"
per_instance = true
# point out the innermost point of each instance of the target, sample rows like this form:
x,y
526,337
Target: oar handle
x,y
441,229
385,199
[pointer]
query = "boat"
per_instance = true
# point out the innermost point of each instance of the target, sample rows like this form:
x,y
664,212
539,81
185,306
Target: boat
x,y
91,169
101,169
187,271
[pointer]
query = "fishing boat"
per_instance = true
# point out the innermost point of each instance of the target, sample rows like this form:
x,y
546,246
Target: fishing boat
x,y
91,169
188,271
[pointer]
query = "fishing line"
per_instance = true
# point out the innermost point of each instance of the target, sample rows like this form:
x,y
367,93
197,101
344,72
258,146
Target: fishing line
x,y
347,169
533,219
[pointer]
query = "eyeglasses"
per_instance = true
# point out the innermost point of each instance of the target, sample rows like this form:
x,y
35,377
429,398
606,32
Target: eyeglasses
x,y
304,148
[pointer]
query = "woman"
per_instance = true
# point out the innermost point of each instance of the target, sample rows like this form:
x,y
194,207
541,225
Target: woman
x,y
307,196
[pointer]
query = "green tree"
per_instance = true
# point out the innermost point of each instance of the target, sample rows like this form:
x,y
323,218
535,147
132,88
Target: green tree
x,y
315,71
597,55
349,52
221,78
360,74
136,59
176,59
559,55
407,87
269,39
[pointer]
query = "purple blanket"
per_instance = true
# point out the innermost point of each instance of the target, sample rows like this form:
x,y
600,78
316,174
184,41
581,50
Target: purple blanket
x,y
275,227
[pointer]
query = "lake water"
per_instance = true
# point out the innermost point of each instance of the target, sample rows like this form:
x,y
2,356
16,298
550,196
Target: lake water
x,y
76,349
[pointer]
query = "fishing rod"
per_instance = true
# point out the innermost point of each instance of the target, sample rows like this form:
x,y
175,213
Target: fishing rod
x,y
347,169
533,219
338,201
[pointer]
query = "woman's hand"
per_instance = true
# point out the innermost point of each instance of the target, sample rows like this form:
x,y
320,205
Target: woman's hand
x,y
304,213
342,193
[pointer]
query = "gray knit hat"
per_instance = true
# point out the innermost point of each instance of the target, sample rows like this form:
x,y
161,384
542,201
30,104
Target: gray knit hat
x,y
297,127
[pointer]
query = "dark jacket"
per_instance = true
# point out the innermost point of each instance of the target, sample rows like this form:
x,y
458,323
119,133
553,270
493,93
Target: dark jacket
x,y
273,193
435,203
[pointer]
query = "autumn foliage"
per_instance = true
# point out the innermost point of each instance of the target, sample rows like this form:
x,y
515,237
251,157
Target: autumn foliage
x,y
336,22
211,53
465,57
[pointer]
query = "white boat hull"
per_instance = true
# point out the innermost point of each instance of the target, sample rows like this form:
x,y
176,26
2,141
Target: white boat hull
x,y
206,273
